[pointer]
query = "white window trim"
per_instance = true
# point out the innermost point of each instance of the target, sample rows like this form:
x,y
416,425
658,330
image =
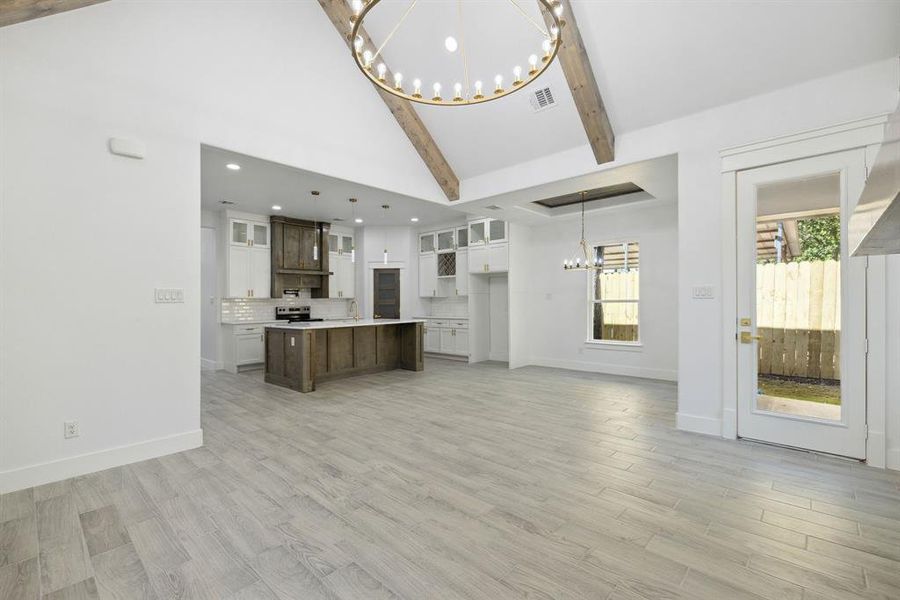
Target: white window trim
x,y
589,328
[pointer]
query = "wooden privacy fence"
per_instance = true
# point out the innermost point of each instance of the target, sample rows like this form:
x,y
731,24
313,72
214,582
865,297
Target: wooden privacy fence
x,y
619,319
798,315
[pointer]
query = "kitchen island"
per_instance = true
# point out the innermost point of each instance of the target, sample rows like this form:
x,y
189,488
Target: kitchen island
x,y
300,355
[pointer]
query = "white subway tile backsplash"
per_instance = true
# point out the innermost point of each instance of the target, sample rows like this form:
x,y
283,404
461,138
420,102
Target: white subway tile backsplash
x,y
449,307
240,310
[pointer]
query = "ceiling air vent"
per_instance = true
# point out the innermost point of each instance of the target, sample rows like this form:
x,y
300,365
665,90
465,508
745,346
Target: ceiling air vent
x,y
493,207
542,99
226,202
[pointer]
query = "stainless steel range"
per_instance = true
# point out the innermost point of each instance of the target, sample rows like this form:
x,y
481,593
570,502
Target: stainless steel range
x,y
293,314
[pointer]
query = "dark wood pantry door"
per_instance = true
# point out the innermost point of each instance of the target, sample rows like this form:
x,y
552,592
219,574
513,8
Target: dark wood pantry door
x,y
387,294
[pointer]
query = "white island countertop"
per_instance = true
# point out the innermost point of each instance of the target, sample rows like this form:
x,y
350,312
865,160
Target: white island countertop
x,y
338,324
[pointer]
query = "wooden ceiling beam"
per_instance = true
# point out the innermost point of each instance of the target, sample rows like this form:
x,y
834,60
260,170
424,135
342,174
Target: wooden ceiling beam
x,y
339,12
580,76
17,11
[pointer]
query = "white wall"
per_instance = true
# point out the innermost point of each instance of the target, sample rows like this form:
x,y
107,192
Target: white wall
x,y
558,301
697,139
209,299
498,289
892,366
99,232
402,254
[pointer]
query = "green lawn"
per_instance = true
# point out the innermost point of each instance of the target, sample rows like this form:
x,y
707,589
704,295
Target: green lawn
x,y
800,390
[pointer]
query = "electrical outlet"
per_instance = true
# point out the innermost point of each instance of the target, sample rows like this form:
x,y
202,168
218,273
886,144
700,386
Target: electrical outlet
x,y
169,295
704,292
70,429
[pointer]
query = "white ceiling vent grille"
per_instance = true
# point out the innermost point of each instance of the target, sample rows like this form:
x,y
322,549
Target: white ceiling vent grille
x,y
542,99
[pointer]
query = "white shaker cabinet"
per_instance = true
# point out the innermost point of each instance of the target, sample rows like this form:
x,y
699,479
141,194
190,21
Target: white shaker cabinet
x,y
243,345
462,272
428,282
248,270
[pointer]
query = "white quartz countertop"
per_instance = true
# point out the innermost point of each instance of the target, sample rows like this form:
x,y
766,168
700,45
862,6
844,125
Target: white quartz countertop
x,y
444,318
266,322
336,324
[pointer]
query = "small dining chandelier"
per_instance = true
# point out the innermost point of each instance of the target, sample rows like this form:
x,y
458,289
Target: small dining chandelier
x,y
584,259
369,58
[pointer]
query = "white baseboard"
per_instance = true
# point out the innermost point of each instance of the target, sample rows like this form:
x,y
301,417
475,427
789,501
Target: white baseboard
x,y
729,423
57,470
876,455
211,365
609,369
893,459
697,424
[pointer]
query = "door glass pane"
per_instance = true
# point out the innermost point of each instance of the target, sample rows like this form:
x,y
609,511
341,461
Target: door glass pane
x,y
238,232
798,297
426,243
445,240
498,230
346,244
260,235
333,244
462,237
477,233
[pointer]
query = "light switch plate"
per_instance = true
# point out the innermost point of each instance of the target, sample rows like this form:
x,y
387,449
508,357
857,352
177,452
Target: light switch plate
x,y
169,295
704,292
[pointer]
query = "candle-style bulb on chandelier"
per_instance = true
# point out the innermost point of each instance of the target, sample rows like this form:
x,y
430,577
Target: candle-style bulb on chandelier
x,y
584,259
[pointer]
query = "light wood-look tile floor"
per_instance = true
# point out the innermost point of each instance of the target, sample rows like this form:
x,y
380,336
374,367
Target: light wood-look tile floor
x,y
459,482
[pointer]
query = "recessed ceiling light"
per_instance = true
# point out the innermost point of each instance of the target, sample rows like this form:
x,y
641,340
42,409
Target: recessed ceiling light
x,y
357,220
233,166
276,207
450,44
415,219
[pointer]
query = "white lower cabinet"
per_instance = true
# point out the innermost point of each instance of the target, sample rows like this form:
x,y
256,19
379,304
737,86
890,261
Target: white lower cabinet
x,y
447,336
243,345
432,338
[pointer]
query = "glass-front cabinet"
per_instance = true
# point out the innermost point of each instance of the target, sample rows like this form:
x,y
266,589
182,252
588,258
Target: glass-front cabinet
x,y
426,243
249,233
346,244
496,231
478,232
446,241
486,231
462,237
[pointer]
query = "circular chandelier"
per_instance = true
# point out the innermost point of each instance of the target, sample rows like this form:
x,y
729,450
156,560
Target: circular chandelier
x,y
369,59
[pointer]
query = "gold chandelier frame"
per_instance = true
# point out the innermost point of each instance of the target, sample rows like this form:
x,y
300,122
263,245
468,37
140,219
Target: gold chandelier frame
x,y
553,8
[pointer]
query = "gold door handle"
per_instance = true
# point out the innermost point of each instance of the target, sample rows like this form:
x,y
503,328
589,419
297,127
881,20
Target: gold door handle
x,y
748,338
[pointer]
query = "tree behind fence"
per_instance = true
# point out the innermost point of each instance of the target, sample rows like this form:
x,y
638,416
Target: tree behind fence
x,y
798,309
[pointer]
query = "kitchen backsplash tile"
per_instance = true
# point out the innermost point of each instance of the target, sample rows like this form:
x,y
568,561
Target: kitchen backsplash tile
x,y
449,307
239,310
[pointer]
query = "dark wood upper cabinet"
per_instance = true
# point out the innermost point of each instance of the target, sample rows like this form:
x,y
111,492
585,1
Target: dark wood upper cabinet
x,y
295,264
299,241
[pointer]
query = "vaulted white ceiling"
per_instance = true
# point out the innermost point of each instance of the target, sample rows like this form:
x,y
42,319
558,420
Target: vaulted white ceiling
x,y
654,60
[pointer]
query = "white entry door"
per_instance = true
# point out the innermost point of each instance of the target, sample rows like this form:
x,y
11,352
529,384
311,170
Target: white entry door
x,y
801,304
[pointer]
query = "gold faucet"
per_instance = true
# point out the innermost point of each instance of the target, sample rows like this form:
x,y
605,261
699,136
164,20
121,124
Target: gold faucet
x,y
354,307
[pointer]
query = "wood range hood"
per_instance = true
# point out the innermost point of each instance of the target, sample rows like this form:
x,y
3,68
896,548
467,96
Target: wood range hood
x,y
875,223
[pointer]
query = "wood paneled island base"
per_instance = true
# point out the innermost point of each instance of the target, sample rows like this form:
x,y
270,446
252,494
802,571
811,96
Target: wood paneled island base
x,y
300,356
